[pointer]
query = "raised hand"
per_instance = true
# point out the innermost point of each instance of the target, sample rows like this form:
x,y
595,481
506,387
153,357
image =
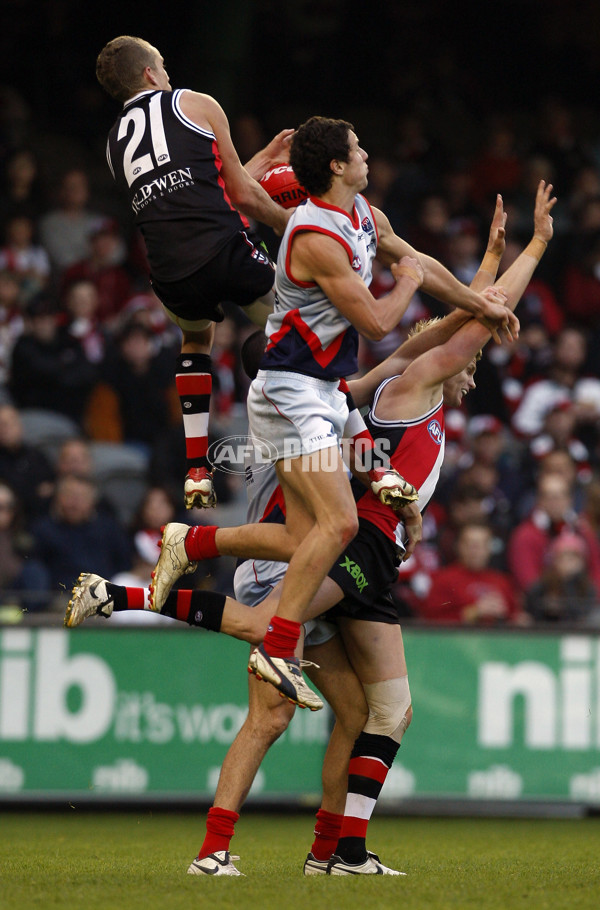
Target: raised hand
x,y
542,219
497,237
278,149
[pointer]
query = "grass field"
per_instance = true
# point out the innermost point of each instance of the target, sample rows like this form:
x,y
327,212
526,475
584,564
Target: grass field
x,y
88,861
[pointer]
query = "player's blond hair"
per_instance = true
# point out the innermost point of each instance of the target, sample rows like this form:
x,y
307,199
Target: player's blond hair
x,y
121,63
423,324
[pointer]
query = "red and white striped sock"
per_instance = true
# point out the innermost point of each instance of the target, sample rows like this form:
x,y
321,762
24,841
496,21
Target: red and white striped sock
x,y
194,387
371,759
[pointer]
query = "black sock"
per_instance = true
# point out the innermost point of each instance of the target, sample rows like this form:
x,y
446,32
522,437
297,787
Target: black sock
x,y
119,596
197,608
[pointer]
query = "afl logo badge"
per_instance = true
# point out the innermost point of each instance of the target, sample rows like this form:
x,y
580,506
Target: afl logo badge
x,y
436,432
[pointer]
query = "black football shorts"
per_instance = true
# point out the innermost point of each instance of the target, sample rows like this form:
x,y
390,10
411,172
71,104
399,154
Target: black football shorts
x,y
240,273
365,571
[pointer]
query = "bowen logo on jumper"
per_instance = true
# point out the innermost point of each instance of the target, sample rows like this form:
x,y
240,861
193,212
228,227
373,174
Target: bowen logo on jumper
x,y
353,569
435,431
166,183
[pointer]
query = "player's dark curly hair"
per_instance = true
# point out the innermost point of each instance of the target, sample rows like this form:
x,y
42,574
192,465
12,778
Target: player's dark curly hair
x,y
120,65
315,144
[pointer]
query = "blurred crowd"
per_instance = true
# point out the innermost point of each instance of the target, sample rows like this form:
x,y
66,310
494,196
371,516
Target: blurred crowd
x,y
513,535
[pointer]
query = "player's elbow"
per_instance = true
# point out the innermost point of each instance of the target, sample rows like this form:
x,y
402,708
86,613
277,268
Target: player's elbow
x,y
374,330
239,198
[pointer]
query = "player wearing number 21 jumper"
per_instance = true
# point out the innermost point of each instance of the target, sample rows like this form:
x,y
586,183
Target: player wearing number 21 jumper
x,y
322,303
171,152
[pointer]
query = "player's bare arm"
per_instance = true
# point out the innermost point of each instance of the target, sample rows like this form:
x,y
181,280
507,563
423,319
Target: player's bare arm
x,y
441,330
244,191
441,283
316,257
486,274
426,375
437,333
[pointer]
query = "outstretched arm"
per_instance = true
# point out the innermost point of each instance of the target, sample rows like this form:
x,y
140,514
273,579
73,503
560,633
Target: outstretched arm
x,y
440,330
486,274
457,353
441,283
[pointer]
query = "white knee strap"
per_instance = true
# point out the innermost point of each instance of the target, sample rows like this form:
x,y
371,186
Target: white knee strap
x,y
388,703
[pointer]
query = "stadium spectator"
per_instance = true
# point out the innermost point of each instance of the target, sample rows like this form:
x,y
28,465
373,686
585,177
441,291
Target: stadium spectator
x,y
23,467
490,463
65,229
11,325
467,503
81,302
75,457
565,592
469,591
157,507
463,248
49,368
135,399
559,141
76,533
498,165
225,357
22,189
429,232
145,308
565,382
582,279
590,513
104,266
25,258
24,580
556,449
531,539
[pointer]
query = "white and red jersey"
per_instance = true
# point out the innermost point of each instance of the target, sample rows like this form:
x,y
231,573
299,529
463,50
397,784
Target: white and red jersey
x,y
306,333
416,450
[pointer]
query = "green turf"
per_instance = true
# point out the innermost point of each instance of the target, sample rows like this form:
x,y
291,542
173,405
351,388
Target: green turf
x,y
86,861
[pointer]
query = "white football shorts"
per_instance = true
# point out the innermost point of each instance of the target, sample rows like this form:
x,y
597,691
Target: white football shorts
x,y
295,414
255,578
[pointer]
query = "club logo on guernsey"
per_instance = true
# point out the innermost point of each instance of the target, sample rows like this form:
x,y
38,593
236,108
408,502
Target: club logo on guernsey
x,y
366,224
435,431
355,571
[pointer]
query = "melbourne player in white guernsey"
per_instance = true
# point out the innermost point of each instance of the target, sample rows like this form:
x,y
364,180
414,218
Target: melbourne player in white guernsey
x,y
323,301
